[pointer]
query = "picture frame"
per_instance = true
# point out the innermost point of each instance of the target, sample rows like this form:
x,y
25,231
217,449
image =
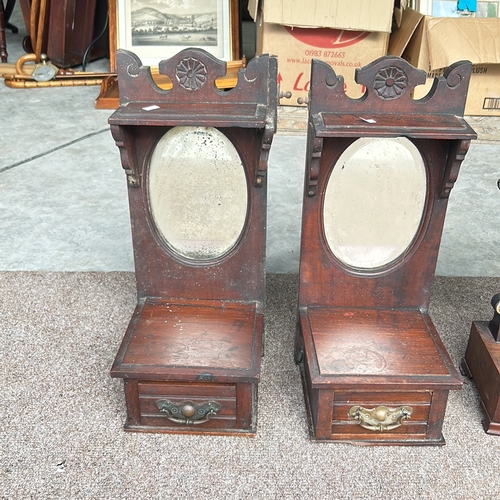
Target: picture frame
x,y
157,29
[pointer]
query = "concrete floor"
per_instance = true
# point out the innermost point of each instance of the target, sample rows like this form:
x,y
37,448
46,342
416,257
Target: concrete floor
x,y
63,197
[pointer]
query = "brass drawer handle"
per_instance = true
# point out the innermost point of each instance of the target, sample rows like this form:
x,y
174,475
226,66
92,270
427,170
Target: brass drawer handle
x,y
380,418
187,412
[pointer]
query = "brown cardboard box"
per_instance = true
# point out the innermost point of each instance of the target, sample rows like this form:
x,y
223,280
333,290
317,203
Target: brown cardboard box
x,y
354,15
295,47
433,43
347,35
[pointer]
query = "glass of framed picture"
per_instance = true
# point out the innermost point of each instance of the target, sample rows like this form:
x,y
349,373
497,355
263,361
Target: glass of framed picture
x,y
158,29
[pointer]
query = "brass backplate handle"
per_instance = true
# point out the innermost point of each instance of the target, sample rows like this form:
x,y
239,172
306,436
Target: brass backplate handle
x,y
380,418
187,412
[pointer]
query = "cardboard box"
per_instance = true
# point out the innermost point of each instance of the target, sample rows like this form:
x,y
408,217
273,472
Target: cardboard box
x,y
295,47
433,43
335,31
355,15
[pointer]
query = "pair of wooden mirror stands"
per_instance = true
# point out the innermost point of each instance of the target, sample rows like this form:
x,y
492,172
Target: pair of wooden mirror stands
x,y
379,171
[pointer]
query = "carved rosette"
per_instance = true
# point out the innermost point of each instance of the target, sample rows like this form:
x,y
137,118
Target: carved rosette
x,y
191,73
390,83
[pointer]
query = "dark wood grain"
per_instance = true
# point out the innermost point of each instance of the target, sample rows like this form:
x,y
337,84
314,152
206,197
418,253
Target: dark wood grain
x,y
375,343
216,339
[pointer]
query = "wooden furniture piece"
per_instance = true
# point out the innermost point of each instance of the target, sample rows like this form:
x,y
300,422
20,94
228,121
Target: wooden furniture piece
x,y
70,32
196,161
5,14
3,40
379,171
77,32
482,364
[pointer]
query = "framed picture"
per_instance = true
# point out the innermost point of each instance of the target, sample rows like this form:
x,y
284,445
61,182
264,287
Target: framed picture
x,y
158,29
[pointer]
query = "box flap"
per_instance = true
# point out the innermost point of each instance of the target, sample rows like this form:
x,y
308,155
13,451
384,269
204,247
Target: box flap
x,y
399,10
455,39
253,6
402,35
357,15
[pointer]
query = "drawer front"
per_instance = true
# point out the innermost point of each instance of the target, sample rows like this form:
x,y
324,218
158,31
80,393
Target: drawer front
x,y
184,405
380,415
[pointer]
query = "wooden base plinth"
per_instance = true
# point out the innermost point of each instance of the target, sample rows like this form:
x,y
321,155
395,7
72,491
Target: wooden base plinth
x,y
482,364
390,365
180,360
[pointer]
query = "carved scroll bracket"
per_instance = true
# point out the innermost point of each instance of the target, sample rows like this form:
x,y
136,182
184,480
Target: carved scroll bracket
x,y
313,166
127,155
272,96
458,150
267,140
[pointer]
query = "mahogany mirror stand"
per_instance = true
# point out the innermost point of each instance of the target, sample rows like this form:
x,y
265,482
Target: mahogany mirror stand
x,y
196,160
379,171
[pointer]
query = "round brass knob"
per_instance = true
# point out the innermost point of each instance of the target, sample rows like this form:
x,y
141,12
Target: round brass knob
x,y
380,413
188,410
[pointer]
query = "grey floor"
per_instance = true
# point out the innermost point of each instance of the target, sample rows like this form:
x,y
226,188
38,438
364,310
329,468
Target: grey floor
x,y
63,199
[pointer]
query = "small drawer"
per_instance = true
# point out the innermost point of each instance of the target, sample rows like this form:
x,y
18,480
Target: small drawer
x,y
183,403
418,401
387,403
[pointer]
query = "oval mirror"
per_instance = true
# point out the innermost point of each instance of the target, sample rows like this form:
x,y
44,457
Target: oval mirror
x,y
197,192
374,201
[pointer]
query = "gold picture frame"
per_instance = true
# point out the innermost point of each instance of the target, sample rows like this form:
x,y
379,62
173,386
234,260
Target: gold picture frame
x,y
156,31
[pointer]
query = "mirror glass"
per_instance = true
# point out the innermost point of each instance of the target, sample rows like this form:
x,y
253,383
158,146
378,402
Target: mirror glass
x,y
197,192
374,201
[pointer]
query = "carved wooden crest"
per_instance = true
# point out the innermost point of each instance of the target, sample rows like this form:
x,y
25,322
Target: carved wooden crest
x,y
388,109
389,82
194,99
